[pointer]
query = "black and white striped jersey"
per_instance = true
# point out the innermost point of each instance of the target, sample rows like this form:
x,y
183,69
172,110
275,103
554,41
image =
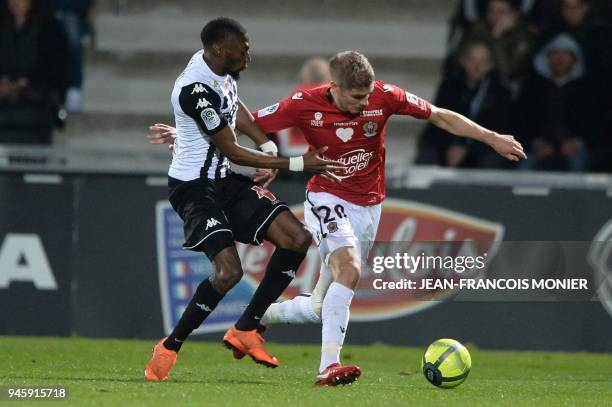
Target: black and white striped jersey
x,y
204,103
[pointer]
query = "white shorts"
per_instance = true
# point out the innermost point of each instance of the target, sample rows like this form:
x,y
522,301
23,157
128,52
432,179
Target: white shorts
x,y
336,223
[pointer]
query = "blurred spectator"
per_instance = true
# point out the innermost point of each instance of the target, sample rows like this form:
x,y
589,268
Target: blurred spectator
x,y
32,73
508,36
315,71
77,18
477,94
577,17
559,115
470,11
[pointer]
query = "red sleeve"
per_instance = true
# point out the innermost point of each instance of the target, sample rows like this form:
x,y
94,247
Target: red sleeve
x,y
279,116
403,102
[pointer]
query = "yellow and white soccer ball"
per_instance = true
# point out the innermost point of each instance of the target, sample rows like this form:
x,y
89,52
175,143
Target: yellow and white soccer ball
x,y
446,363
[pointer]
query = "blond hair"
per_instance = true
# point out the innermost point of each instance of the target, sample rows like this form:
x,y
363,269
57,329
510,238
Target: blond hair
x,y
351,70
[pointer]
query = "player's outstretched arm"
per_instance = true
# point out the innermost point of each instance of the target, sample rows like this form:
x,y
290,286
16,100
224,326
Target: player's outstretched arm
x,y
504,144
160,133
245,123
225,141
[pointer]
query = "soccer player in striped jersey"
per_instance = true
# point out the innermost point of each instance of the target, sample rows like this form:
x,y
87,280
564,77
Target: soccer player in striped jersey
x,y
218,206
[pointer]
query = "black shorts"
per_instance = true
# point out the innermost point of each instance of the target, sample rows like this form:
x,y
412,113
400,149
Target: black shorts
x,y
218,212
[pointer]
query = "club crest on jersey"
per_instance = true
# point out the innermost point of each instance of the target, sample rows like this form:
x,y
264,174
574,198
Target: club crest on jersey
x,y
345,133
370,129
214,83
317,122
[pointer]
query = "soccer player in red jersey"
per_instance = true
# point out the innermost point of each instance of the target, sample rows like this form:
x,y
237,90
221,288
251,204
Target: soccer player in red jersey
x,y
349,115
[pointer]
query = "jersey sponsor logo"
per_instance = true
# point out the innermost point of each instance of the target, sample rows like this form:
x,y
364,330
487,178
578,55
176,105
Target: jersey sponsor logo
x,y
345,133
345,124
202,103
317,122
405,225
370,129
297,96
211,223
371,113
387,88
210,118
354,161
198,88
266,111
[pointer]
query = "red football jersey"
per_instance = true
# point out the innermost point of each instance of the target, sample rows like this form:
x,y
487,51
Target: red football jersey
x,y
356,141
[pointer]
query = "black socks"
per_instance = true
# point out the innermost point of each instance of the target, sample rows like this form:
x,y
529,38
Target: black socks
x,y
201,305
281,271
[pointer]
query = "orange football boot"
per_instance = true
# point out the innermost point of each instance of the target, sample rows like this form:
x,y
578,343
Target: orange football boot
x,y
249,343
161,362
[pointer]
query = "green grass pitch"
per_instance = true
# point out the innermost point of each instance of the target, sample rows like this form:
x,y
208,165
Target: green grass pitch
x,y
111,372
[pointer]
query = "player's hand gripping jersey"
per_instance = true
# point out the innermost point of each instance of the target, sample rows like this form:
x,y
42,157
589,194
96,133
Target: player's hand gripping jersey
x,y
355,140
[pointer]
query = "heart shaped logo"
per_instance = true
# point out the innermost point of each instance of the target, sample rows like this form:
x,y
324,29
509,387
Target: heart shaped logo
x,y
344,134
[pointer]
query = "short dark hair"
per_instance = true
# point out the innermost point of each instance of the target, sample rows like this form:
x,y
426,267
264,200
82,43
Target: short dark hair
x,y
220,29
351,70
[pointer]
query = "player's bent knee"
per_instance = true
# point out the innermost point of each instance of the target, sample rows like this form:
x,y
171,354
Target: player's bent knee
x,y
301,241
226,278
228,272
345,266
349,273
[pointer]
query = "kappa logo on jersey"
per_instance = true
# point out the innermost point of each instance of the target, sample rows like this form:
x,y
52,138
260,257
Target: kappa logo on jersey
x,y
202,103
404,226
210,118
345,133
268,110
211,223
198,88
388,88
297,96
370,129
